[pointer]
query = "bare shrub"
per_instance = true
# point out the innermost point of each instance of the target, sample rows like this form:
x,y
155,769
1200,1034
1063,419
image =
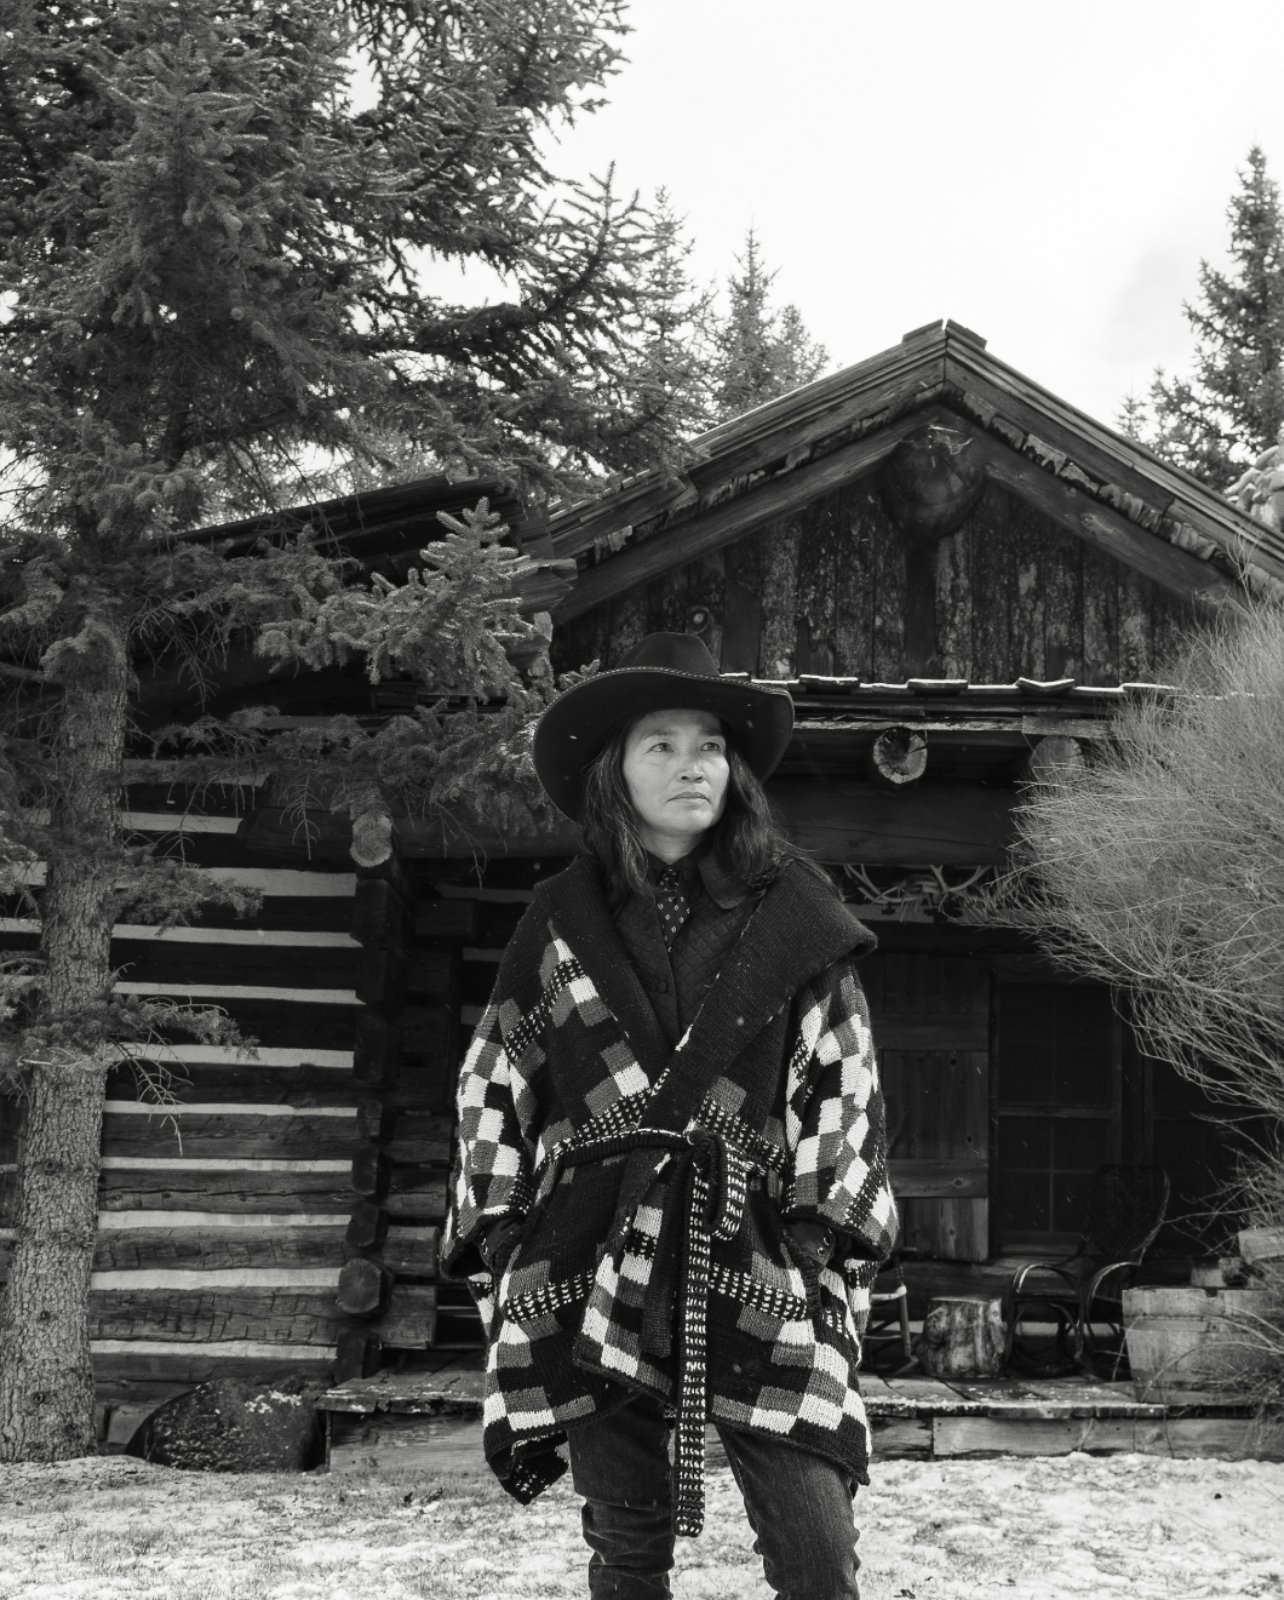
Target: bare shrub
x,y
1159,868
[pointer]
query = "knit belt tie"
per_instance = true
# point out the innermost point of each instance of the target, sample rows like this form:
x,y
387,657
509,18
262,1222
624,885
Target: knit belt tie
x,y
717,1182
712,1181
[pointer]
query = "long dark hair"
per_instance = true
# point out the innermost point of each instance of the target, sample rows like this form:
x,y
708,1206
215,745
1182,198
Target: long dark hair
x,y
750,842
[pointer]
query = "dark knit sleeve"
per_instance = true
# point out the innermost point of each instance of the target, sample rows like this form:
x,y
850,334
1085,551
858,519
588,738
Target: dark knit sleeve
x,y
835,1125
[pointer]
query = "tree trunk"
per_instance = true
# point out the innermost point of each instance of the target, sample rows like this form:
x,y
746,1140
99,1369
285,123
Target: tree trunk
x,y
961,1338
46,1379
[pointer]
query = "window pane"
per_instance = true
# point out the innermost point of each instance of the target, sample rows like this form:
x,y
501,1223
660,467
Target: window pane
x,y
1084,1045
1025,1142
1071,1192
1027,1060
1081,1144
1056,1044
1021,1203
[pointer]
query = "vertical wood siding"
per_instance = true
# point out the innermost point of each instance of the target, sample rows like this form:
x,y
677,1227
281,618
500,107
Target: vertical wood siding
x,y
857,528
931,1028
828,590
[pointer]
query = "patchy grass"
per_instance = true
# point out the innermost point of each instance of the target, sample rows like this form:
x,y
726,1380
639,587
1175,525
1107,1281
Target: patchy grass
x,y
1040,1529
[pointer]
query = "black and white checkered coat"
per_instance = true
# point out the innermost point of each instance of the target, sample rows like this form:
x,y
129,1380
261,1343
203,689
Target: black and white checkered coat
x,y
653,1184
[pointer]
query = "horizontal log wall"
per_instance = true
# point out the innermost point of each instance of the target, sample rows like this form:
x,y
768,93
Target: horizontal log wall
x,y
475,914
226,1185
443,933
283,1212
830,591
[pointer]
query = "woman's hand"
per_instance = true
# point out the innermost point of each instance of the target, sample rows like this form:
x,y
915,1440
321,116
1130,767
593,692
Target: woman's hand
x,y
811,1241
497,1244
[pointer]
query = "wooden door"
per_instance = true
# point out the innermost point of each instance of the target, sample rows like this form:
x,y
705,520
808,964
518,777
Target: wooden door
x,y
931,1027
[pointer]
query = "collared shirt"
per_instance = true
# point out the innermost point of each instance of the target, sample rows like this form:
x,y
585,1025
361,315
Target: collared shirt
x,y
676,980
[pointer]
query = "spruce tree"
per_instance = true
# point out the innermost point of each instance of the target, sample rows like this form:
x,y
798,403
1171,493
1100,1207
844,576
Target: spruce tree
x,y
1220,419
757,352
1133,418
667,373
219,230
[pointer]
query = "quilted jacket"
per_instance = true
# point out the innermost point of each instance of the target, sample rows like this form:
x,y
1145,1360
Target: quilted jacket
x,y
652,1183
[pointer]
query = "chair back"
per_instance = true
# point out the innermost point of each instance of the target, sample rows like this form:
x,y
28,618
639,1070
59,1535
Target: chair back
x,y
1125,1212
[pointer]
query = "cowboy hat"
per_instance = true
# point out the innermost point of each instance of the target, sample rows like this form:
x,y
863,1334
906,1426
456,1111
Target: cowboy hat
x,y
665,671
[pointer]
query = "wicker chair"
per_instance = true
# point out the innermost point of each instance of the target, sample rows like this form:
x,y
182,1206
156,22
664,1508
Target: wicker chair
x,y
1078,1292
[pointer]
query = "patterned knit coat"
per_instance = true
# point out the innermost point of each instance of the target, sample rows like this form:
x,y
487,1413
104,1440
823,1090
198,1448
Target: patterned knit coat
x,y
652,1184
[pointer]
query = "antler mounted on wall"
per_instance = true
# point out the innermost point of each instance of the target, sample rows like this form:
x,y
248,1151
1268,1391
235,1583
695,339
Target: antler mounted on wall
x,y
912,894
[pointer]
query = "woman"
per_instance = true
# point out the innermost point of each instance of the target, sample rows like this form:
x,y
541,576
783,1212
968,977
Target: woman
x,y
671,1195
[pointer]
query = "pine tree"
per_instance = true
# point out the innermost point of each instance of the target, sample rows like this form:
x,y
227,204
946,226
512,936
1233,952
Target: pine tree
x,y
667,372
757,353
1215,423
1133,418
214,231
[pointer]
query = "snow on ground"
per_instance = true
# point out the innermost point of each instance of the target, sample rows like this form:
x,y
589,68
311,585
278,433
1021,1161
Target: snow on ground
x,y
1048,1528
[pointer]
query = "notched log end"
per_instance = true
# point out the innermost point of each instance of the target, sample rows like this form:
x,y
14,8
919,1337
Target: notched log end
x,y
899,757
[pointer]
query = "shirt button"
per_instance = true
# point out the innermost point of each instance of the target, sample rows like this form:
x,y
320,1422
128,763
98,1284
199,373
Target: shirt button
x,y
662,986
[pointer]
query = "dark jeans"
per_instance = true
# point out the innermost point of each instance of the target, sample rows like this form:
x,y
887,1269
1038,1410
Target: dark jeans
x,y
799,1507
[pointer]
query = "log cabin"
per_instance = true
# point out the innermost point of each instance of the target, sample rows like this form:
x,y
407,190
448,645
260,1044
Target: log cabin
x,y
960,578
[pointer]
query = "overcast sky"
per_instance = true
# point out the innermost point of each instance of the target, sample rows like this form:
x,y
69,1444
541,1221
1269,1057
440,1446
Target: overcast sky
x,y
1049,175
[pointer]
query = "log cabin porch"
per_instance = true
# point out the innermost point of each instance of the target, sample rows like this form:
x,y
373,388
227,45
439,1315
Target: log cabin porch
x,y
430,1419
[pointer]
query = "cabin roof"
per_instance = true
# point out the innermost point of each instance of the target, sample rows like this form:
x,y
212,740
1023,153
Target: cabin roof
x,y
376,526
381,530
769,461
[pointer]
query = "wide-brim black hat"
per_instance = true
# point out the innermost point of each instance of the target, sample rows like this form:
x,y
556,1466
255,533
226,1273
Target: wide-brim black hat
x,y
666,671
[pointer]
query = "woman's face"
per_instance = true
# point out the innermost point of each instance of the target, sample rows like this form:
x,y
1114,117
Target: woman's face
x,y
675,770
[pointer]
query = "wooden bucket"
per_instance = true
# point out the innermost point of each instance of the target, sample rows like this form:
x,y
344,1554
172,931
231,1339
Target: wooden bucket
x,y
1199,1338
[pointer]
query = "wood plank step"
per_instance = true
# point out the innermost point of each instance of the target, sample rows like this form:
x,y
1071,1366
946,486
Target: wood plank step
x,y
443,1444
900,1438
1011,1400
925,1397
440,1435
458,1379
1227,1438
457,1387
1097,1399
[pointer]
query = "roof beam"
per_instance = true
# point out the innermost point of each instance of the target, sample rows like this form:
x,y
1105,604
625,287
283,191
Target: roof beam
x,y
985,387
732,519
913,382
1173,569
580,527
842,819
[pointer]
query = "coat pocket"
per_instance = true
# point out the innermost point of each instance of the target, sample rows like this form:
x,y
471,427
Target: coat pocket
x,y
563,1238
757,1267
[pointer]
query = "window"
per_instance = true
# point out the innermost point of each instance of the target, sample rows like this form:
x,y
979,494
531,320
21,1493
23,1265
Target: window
x,y
1057,1109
